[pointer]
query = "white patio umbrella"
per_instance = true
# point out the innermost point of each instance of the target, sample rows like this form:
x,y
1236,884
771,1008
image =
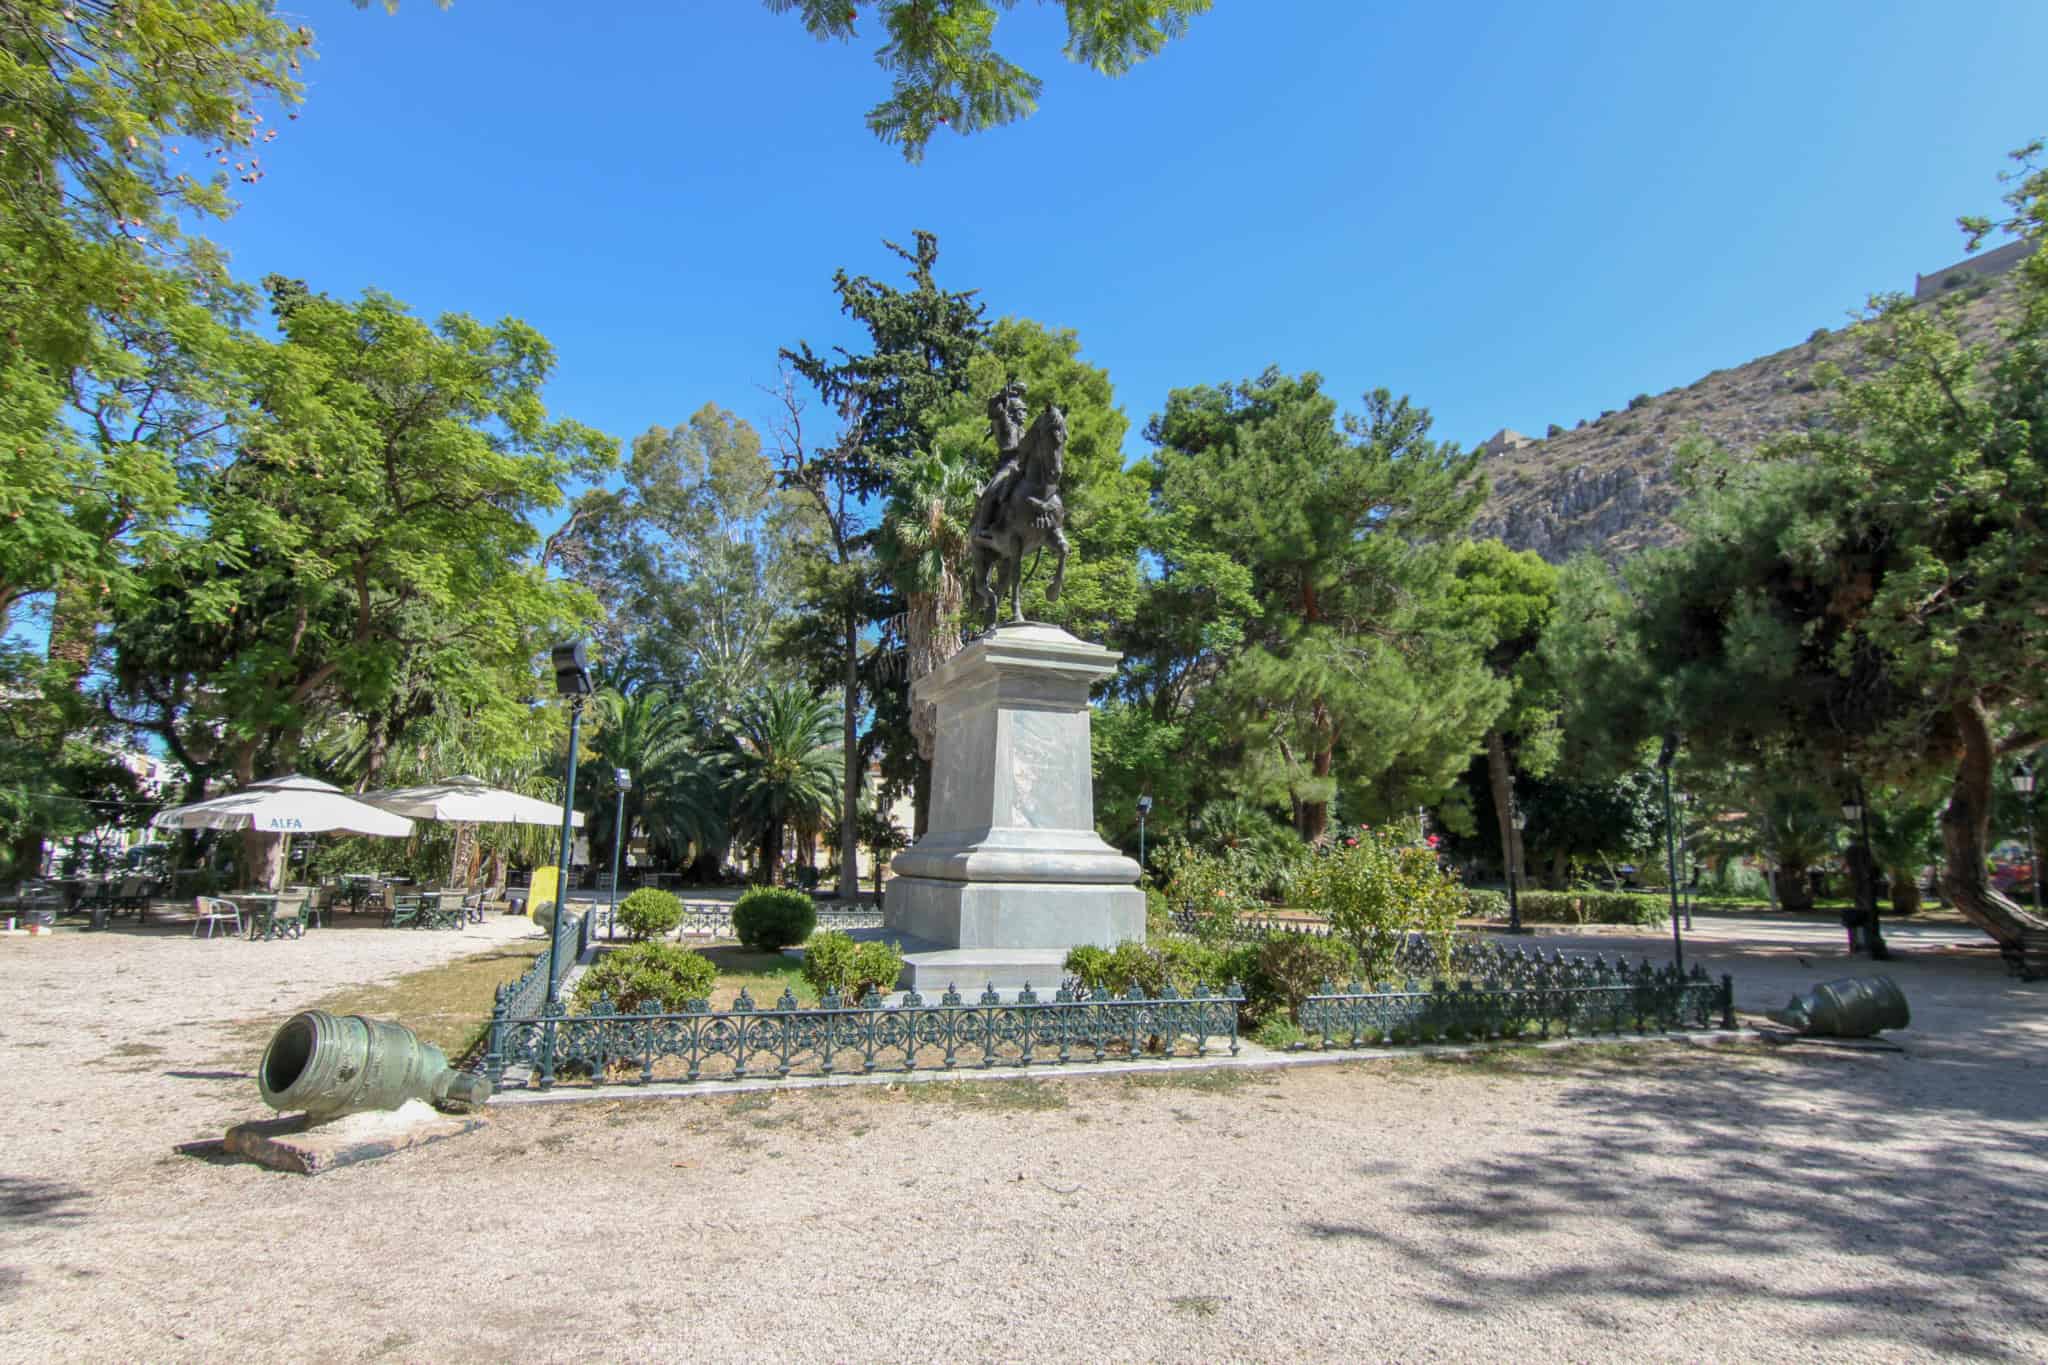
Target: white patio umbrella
x,y
284,806
469,800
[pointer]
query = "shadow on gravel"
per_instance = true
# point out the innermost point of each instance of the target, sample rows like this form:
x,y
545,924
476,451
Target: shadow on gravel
x,y
1897,1199
26,1201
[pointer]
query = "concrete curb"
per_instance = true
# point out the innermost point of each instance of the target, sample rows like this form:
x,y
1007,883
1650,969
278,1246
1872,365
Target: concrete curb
x,y
1250,1057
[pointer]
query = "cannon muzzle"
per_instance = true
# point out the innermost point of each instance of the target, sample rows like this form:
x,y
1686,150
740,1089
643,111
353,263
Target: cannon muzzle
x,y
1854,1007
330,1065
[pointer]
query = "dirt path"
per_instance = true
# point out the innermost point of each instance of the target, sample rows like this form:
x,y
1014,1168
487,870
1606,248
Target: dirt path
x,y
1672,1203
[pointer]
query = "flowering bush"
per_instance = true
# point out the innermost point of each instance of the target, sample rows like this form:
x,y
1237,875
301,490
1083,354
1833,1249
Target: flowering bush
x,y
1217,887
1376,887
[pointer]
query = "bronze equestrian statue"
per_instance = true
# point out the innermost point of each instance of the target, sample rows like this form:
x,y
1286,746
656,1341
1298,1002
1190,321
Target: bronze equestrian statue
x,y
1020,509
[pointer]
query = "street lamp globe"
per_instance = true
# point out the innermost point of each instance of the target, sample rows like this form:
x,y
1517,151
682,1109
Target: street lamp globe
x,y
2023,779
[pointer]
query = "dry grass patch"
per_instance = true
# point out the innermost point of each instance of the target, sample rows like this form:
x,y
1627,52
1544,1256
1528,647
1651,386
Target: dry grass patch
x,y
764,977
448,1006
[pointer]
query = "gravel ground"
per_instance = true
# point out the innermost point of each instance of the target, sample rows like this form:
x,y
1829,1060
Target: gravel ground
x,y
1812,1202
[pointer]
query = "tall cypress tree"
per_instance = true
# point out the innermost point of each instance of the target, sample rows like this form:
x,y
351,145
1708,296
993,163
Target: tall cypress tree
x,y
889,399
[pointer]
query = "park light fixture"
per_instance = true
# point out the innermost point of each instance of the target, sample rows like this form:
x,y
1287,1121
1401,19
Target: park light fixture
x,y
1852,811
1144,809
572,680
623,780
572,670
1518,822
2023,783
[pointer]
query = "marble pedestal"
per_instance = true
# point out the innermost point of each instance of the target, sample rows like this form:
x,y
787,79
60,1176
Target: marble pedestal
x,y
1011,873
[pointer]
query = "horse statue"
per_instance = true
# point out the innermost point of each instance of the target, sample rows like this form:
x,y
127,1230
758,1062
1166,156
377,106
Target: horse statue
x,y
1020,510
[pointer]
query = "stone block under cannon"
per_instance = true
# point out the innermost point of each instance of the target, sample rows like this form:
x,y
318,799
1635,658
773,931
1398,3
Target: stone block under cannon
x,y
357,1089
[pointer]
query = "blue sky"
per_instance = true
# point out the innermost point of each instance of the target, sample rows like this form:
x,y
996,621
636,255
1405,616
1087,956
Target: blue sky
x,y
1515,213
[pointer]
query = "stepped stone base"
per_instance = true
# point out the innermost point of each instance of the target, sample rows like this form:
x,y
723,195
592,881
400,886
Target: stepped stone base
x,y
1015,915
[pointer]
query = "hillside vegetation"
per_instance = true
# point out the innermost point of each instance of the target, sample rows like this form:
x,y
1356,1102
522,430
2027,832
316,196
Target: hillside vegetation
x,y
1608,486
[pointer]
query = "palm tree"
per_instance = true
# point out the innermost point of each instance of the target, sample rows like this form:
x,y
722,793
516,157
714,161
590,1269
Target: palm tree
x,y
784,767
675,796
922,547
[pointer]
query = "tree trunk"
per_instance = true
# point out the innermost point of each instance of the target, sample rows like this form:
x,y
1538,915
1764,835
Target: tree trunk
x,y
1315,815
1795,888
464,854
849,797
1966,835
1501,779
771,853
260,860
74,624
1905,892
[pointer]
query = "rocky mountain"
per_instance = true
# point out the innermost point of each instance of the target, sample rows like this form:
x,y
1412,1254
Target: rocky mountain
x,y
1607,486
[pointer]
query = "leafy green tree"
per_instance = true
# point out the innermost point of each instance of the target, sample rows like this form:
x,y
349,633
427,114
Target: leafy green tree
x,y
1505,598
888,400
922,547
689,556
1348,671
1866,591
944,68
676,796
103,103
781,768
364,557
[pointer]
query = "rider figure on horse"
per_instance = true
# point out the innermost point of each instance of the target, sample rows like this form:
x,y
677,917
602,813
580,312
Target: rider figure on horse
x,y
1007,415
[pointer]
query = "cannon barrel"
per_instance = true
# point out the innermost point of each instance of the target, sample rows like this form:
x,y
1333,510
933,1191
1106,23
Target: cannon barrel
x,y
1854,1007
329,1065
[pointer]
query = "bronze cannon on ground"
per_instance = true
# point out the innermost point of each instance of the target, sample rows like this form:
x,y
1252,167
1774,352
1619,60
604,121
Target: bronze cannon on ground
x,y
330,1065
1854,1007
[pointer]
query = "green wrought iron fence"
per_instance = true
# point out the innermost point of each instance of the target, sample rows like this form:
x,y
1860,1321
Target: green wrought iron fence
x,y
713,919
525,997
1571,995
691,1044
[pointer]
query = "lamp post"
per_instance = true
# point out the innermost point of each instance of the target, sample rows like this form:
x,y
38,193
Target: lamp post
x,y
1856,812
623,780
2023,783
1671,848
1144,809
572,680
1684,799
1518,822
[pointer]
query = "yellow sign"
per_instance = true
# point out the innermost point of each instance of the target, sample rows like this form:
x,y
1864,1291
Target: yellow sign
x,y
545,880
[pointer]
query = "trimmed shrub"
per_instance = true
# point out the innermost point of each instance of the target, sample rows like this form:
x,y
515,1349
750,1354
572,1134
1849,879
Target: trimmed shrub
x,y
1291,968
1485,904
834,962
648,978
1183,962
1589,907
768,919
650,913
